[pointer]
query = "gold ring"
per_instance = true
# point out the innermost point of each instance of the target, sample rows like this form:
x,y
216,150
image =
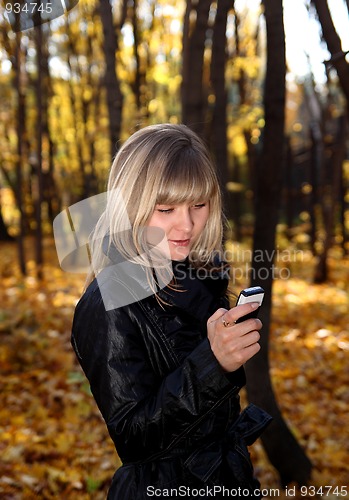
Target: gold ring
x,y
225,323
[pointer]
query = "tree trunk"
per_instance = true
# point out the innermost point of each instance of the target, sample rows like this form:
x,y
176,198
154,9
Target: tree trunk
x,y
281,447
344,208
334,46
19,66
337,60
244,100
50,191
288,189
242,75
192,93
219,118
139,76
38,165
330,198
236,197
315,168
317,152
112,83
74,105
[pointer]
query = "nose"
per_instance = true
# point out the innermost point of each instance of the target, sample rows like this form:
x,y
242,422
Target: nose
x,y
184,220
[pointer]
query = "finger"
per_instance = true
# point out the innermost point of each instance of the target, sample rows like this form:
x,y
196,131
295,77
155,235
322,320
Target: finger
x,y
251,350
218,314
239,311
252,324
251,338
242,353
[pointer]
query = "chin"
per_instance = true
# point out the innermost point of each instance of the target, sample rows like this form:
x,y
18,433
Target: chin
x,y
179,255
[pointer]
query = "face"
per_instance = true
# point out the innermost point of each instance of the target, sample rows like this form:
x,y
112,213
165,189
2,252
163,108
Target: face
x,y
182,225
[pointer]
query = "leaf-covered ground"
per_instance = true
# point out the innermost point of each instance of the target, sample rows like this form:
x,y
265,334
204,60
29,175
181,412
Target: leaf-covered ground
x,y
53,442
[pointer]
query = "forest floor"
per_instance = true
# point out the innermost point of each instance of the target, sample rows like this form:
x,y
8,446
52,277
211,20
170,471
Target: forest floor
x,y
53,442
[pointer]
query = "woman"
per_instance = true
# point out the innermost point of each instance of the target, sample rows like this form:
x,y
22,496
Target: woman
x,y
153,331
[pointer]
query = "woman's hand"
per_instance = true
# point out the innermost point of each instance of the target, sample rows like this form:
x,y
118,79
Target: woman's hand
x,y
234,344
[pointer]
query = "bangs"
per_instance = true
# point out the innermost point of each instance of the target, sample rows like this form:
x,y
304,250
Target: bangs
x,y
186,181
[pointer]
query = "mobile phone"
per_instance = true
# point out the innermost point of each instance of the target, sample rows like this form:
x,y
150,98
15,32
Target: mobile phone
x,y
252,294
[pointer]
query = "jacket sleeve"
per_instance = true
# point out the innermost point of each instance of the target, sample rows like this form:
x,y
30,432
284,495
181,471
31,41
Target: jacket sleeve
x,y
145,414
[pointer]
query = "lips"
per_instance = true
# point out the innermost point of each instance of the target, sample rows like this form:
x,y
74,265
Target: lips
x,y
180,243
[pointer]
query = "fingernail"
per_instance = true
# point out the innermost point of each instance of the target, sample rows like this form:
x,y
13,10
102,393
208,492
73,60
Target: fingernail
x,y
254,305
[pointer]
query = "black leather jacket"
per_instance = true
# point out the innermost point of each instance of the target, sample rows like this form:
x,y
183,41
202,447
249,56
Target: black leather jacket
x,y
172,412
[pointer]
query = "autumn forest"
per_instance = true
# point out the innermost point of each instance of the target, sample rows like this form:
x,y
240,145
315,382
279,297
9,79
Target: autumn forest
x,y
72,90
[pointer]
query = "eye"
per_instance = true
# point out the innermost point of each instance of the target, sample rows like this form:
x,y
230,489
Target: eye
x,y
199,205
164,210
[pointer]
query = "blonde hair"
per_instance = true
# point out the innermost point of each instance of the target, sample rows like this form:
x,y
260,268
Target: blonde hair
x,y
159,164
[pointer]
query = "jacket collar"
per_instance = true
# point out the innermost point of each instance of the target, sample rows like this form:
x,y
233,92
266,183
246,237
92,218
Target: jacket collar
x,y
196,291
